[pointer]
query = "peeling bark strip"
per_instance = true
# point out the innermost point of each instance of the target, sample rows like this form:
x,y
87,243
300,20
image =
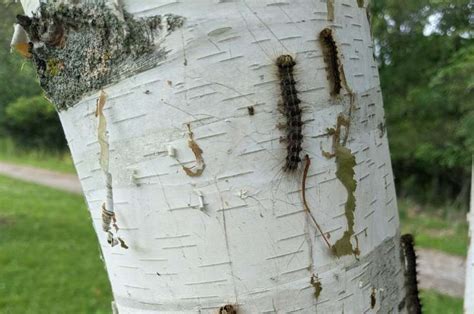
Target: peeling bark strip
x,y
104,149
345,162
330,8
108,212
94,45
102,132
200,165
108,207
331,58
413,303
291,110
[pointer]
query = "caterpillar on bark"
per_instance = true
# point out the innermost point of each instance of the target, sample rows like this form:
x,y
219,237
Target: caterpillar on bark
x,y
413,303
292,111
331,58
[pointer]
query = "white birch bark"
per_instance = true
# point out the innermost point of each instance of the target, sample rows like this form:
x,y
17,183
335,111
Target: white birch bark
x,y
239,234
469,291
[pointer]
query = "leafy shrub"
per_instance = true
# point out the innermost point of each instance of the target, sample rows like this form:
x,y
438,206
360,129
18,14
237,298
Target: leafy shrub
x,y
34,123
426,57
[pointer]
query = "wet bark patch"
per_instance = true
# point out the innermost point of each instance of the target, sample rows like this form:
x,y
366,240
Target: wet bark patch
x,y
345,163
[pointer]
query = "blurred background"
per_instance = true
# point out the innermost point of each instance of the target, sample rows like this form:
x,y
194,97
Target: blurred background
x,y
425,53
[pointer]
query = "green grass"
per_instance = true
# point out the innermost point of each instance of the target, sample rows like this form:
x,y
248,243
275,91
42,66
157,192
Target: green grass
x,y
435,303
434,228
61,162
49,256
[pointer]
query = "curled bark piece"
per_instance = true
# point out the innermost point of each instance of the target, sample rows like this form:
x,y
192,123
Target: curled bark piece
x,y
109,225
200,165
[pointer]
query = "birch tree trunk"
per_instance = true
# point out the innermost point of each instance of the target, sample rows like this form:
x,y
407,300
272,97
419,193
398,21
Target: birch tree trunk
x,y
469,291
211,217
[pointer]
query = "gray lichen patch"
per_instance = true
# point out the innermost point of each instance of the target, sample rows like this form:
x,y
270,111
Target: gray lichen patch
x,y
79,48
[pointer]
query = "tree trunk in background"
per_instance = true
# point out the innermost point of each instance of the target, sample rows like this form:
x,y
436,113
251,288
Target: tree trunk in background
x,y
202,202
469,291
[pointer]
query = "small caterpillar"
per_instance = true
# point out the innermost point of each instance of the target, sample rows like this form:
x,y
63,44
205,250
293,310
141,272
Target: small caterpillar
x,y
228,309
411,282
251,110
331,57
291,110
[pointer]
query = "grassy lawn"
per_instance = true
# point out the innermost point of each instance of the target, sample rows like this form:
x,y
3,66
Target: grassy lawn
x,y
445,230
49,256
435,303
41,159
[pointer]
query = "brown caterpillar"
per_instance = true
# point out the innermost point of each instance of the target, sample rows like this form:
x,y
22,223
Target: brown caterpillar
x,y
411,282
228,309
291,110
331,57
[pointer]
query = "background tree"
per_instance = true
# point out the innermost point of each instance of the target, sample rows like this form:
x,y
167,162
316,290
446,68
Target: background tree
x,y
425,53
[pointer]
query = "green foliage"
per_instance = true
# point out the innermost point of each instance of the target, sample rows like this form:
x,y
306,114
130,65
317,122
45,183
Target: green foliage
x,y
426,55
49,255
34,123
17,77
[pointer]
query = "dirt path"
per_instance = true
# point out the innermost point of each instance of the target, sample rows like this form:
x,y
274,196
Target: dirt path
x,y
441,272
60,181
436,270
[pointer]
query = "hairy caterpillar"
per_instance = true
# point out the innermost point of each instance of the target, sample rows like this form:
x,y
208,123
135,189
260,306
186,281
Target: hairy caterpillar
x,y
411,282
331,57
291,110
